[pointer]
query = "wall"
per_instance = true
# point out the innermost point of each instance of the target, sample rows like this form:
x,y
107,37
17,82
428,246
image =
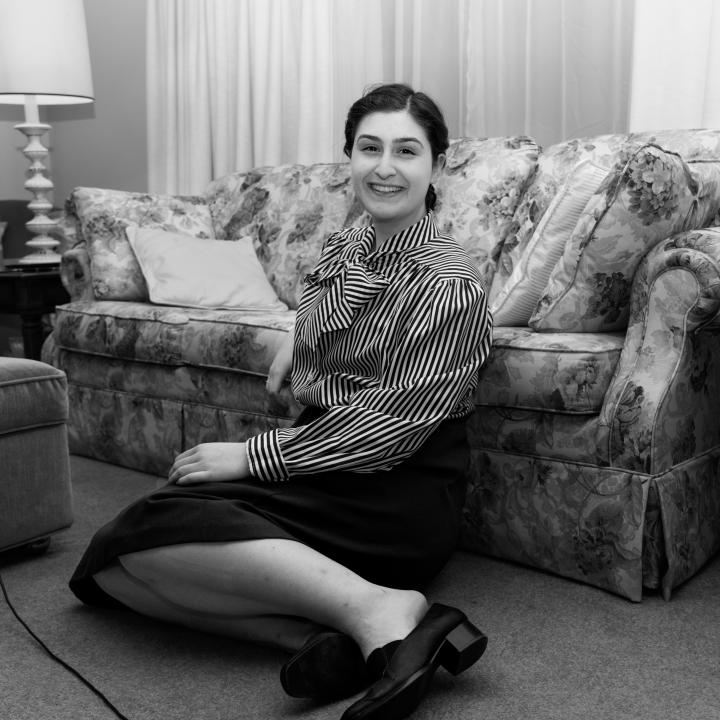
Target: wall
x,y
103,144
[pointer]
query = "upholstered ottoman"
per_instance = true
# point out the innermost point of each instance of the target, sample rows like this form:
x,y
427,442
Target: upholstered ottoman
x,y
35,493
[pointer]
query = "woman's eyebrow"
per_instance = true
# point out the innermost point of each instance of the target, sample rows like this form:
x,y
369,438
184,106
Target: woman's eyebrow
x,y
395,141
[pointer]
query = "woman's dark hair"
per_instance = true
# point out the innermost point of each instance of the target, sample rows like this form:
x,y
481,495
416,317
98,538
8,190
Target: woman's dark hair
x,y
394,97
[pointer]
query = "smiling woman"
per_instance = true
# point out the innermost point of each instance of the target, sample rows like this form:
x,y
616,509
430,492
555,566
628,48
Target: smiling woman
x,y
392,167
322,536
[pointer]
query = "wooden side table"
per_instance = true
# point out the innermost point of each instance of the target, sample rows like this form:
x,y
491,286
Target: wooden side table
x,y
31,293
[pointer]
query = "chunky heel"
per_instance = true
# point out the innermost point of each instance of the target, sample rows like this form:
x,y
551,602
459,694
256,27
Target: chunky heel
x,y
463,646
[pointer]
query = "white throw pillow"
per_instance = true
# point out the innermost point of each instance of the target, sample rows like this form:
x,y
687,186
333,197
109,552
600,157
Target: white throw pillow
x,y
196,272
517,299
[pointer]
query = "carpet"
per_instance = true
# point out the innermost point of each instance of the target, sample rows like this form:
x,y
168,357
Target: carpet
x,y
558,650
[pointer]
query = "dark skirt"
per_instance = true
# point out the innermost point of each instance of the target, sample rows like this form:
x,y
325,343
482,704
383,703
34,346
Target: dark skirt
x,y
396,528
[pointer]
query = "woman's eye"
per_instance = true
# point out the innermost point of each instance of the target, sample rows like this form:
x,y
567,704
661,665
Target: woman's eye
x,y
369,148
406,151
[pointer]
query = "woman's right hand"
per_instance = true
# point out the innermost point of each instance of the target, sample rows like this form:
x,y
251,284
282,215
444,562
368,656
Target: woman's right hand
x,y
281,364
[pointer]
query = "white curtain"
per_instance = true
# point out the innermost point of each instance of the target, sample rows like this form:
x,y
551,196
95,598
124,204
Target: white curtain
x,y
676,65
551,69
236,84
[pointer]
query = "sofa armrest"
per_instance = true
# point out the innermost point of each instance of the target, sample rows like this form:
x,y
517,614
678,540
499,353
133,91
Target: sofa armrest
x,y
75,273
661,406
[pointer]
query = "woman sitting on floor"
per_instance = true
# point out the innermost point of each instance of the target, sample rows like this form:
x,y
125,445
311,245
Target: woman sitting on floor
x,y
321,537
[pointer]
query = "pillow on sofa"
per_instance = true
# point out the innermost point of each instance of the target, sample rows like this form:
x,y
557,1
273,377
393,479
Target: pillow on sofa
x,y
554,166
649,195
102,216
193,272
515,302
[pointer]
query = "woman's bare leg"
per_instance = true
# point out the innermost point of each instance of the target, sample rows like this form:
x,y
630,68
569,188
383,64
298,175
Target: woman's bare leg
x,y
288,633
280,577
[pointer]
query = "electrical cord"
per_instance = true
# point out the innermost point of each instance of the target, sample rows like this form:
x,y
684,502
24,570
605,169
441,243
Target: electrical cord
x,y
56,658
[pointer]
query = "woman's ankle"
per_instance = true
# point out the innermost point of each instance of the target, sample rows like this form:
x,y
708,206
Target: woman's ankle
x,y
389,615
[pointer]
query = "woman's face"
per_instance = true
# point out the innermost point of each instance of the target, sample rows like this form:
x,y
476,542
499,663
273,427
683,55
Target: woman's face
x,y
391,166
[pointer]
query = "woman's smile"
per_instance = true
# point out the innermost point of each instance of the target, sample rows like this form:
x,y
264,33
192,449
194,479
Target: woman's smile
x,y
384,189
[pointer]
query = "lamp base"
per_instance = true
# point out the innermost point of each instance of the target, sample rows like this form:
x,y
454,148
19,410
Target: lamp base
x,y
49,258
42,246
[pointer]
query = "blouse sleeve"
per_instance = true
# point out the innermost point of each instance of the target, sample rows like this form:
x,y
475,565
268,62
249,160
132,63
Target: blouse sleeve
x,y
433,365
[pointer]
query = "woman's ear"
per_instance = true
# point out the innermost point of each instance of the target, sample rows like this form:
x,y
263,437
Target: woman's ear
x,y
438,166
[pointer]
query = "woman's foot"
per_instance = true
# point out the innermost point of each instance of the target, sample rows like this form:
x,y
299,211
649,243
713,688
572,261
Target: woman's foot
x,y
443,637
332,665
329,666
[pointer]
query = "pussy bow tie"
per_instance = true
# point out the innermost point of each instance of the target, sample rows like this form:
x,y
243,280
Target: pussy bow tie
x,y
352,284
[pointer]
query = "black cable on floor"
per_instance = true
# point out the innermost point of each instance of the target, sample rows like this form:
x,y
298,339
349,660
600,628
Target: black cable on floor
x,y
57,659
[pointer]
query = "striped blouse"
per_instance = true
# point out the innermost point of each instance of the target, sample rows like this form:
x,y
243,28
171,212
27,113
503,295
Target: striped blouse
x,y
389,342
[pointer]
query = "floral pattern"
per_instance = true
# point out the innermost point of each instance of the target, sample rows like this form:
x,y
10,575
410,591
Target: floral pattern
x,y
103,215
494,173
595,446
649,195
558,372
289,211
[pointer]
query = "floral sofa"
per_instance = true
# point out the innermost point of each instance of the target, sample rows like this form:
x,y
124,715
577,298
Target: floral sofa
x,y
596,444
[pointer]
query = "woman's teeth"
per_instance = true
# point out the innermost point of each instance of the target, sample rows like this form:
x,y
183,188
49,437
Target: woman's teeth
x,y
385,189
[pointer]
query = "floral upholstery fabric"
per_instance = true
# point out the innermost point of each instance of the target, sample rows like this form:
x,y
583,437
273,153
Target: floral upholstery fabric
x,y
240,340
649,195
595,454
572,519
555,166
660,410
102,216
495,173
290,211
558,373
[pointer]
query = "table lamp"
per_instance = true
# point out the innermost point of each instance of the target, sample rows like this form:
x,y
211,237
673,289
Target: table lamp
x,y
44,60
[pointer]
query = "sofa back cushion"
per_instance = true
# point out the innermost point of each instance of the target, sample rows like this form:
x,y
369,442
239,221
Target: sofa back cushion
x,y
648,195
479,191
102,217
289,211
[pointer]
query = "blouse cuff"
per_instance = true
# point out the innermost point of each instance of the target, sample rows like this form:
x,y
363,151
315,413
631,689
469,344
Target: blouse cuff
x,y
264,457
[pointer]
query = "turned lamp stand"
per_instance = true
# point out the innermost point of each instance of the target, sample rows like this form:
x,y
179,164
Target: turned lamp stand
x,y
42,246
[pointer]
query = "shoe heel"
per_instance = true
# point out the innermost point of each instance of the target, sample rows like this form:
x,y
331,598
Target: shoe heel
x,y
462,647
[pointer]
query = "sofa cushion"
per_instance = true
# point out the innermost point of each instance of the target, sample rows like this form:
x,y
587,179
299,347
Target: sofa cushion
x,y
102,216
199,273
515,302
246,341
649,195
478,192
289,211
555,166
566,373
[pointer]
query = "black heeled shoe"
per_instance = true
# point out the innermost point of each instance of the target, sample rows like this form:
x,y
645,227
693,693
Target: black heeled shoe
x,y
443,637
330,666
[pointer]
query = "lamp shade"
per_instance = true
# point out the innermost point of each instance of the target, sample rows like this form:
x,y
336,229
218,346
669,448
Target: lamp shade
x,y
44,52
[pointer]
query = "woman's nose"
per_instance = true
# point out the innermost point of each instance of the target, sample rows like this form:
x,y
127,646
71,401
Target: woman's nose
x,y
385,167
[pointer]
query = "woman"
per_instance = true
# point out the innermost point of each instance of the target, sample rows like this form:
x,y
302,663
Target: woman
x,y
320,537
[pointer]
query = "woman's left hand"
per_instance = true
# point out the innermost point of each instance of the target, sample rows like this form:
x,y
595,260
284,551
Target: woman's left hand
x,y
210,462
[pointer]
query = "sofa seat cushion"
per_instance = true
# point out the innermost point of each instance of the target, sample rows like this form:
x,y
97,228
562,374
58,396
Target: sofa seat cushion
x,y
246,341
565,373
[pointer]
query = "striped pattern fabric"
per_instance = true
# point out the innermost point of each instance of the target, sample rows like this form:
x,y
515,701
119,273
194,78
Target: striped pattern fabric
x,y
389,342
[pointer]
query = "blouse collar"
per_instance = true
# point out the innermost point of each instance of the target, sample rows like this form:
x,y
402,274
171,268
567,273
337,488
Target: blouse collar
x,y
411,237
